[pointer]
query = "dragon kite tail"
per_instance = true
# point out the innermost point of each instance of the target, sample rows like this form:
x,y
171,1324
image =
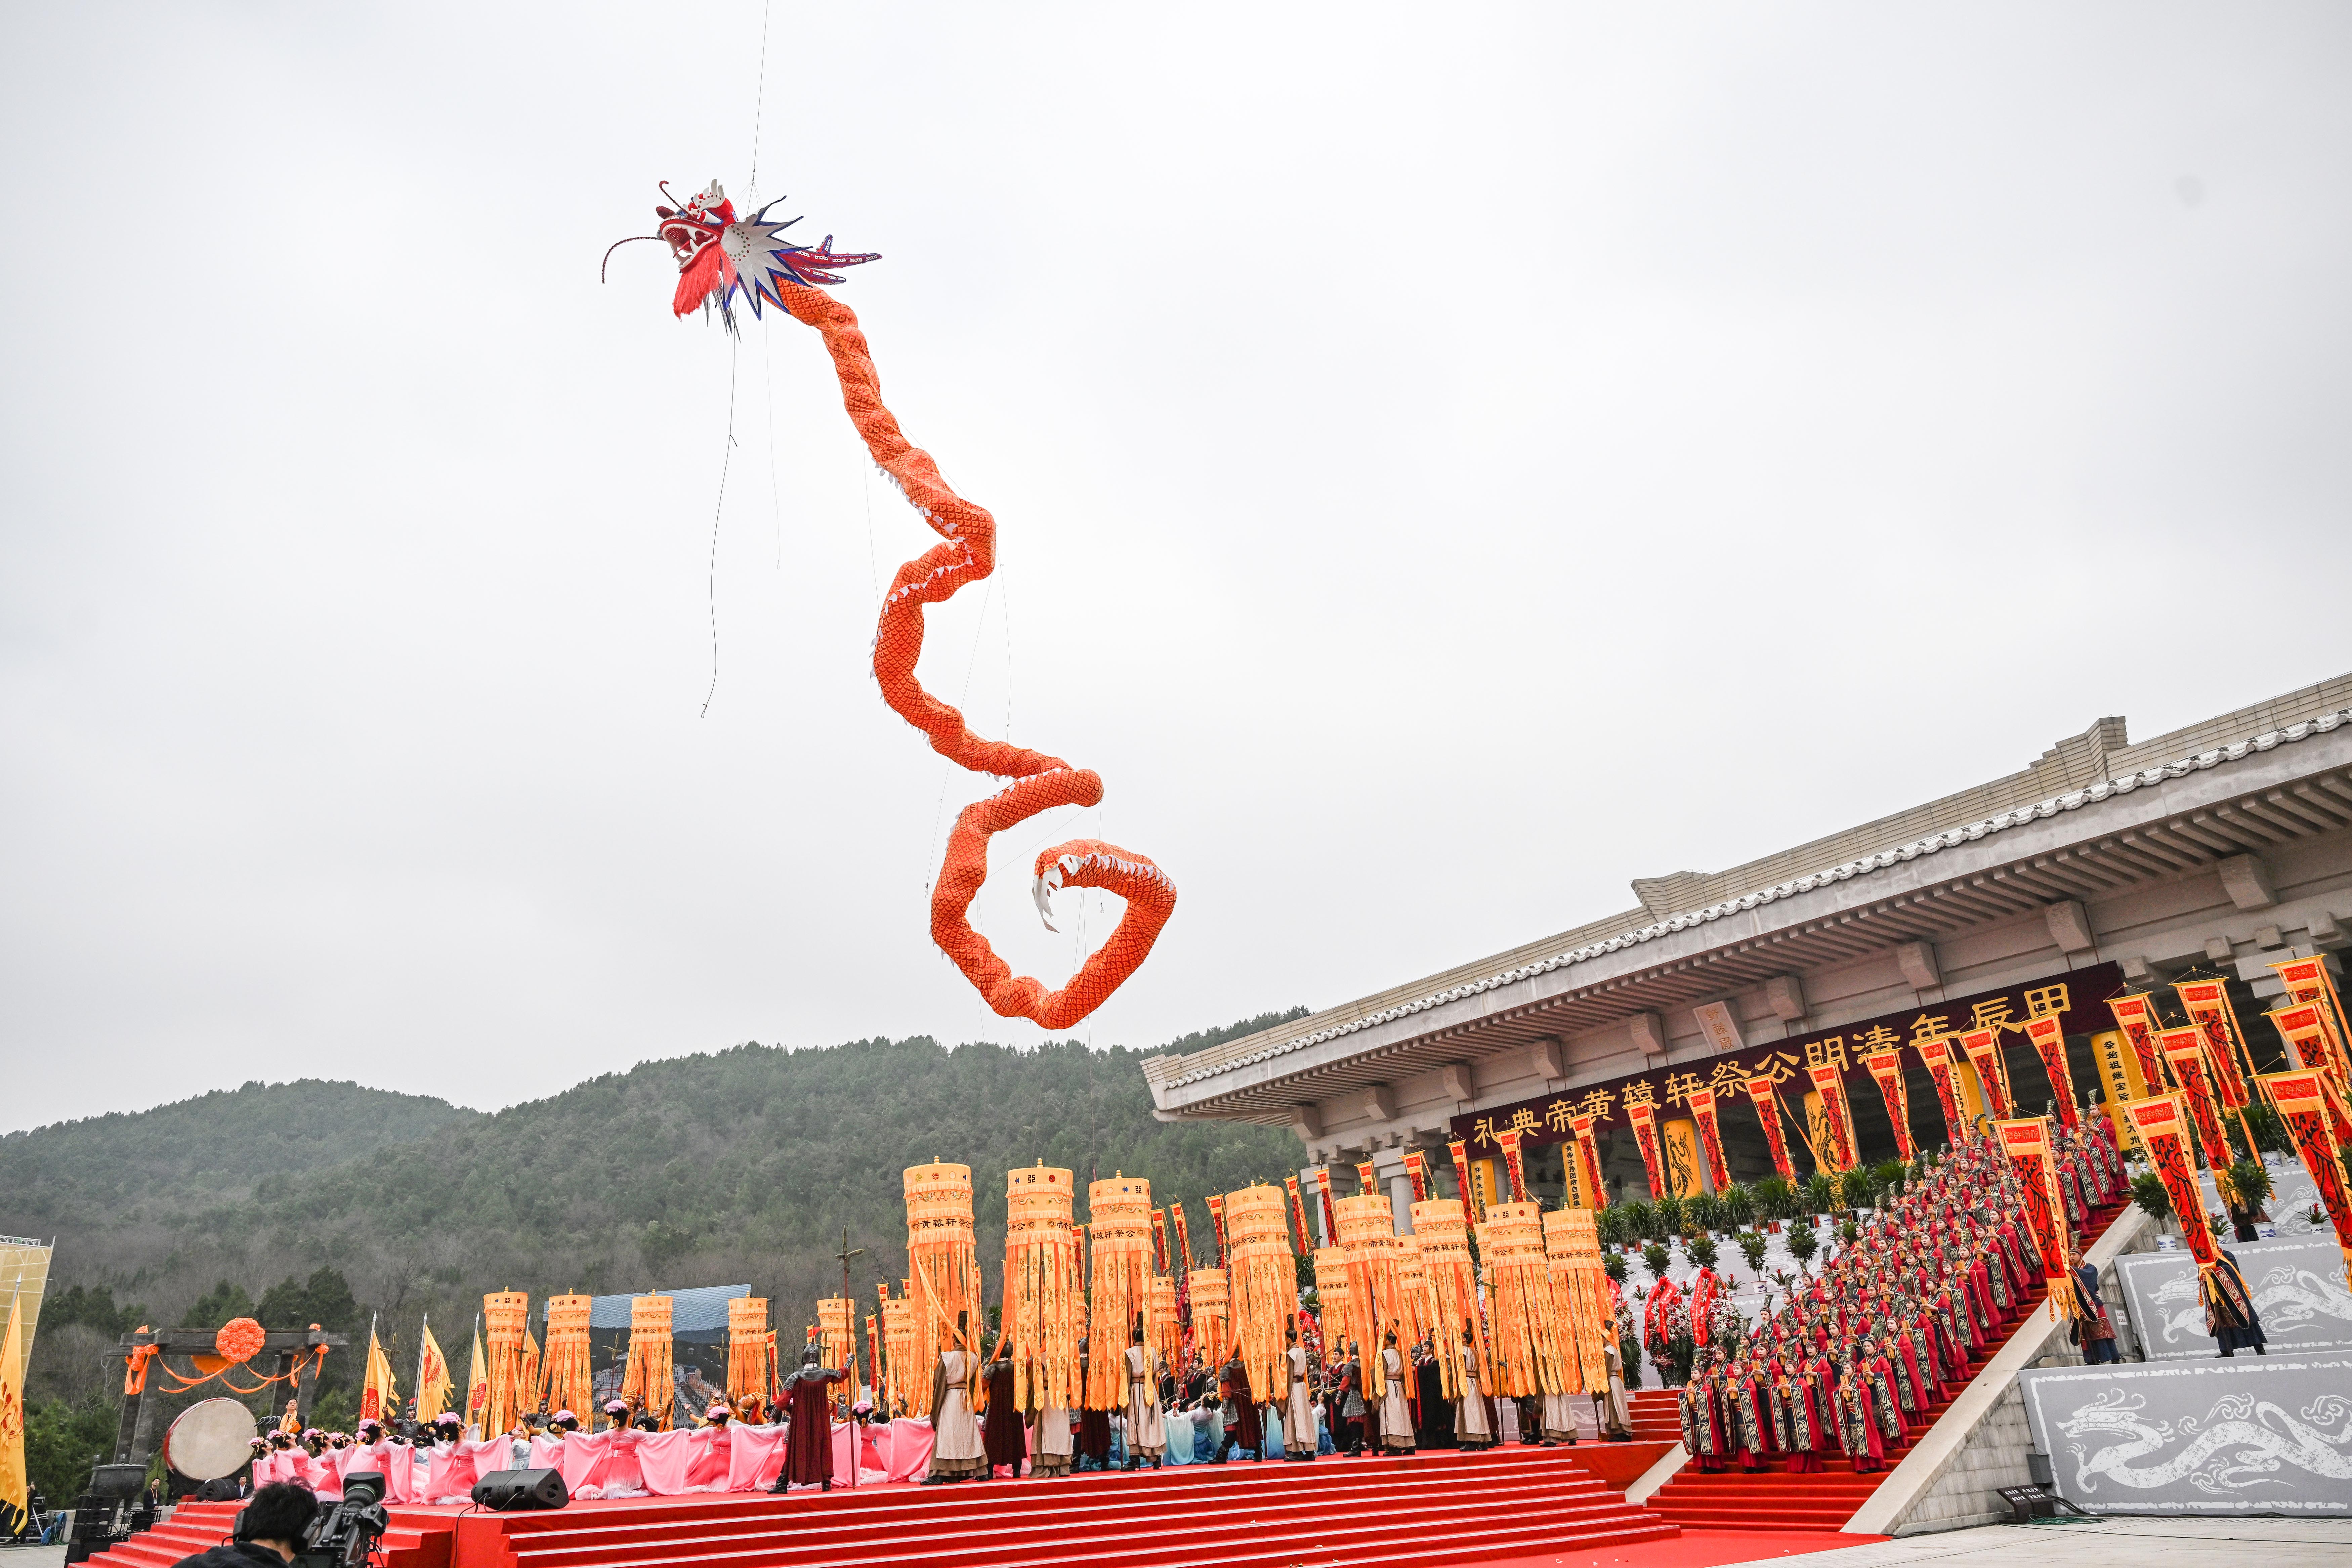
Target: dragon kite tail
x,y
966,553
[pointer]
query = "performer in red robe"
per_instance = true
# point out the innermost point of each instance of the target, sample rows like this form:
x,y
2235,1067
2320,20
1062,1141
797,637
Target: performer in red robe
x,y
808,1453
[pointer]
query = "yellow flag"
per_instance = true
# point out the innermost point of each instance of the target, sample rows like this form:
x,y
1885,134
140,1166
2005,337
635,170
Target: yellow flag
x,y
477,1388
432,1380
380,1396
12,1416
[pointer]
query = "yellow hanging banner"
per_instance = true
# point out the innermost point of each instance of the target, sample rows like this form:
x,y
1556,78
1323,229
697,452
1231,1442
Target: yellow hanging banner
x,y
1678,1148
14,1493
2119,1075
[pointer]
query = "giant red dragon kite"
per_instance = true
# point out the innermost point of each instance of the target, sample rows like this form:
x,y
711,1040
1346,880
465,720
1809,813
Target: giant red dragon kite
x,y
723,257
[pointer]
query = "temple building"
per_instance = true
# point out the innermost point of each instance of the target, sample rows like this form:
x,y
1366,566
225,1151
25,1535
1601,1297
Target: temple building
x,y
2105,867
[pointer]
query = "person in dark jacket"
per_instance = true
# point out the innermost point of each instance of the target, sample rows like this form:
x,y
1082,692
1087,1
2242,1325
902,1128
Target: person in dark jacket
x,y
270,1531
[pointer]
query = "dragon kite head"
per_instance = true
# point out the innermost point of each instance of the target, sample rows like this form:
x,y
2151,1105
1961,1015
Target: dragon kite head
x,y
719,255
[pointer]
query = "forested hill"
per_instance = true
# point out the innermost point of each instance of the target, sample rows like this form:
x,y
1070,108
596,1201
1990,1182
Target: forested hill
x,y
746,1164
198,1153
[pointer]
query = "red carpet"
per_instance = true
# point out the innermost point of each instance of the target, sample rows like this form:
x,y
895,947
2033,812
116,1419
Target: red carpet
x,y
1379,1513
1695,1549
1774,1500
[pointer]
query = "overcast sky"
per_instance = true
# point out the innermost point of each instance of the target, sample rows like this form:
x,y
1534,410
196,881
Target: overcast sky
x,y
1449,461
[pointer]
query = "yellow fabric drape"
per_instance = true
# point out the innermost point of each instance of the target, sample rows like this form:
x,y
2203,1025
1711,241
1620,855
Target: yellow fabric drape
x,y
1044,1299
1211,1298
1368,1235
1442,1226
650,1378
1525,1344
1263,1285
1580,1289
750,1349
1119,1223
570,1385
506,1316
1335,1300
945,1288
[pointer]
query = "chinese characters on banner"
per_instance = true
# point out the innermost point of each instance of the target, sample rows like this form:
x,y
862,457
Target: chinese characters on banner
x,y
2119,1075
2304,1027
2207,1005
2026,1143
2049,1042
2139,1023
1886,1066
2301,1097
2185,1050
2075,999
2163,1127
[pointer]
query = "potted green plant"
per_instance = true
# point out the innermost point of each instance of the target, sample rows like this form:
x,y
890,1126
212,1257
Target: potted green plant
x,y
1739,1205
1700,1251
1804,1241
1751,1248
1613,1266
1820,1192
1702,1213
1655,1257
1667,1217
2149,1193
1775,1201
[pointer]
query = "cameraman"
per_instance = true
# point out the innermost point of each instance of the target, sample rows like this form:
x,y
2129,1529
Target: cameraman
x,y
270,1531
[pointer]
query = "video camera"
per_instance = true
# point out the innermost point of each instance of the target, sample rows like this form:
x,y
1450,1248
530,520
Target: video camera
x,y
345,1535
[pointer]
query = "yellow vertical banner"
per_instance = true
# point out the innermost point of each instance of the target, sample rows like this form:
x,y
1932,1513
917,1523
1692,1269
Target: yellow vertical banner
x,y
13,1490
477,1388
1678,1149
431,1377
2119,1075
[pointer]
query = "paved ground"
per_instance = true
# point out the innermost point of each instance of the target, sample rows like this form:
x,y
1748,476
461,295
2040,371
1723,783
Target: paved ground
x,y
34,1556
2140,1543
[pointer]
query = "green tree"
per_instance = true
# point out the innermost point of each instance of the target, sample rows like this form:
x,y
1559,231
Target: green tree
x,y
225,1302
62,1442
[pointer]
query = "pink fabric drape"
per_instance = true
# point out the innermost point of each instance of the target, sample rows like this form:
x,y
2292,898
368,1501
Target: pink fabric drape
x,y
755,1457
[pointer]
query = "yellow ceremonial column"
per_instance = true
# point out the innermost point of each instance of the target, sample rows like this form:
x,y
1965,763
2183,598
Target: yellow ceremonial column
x,y
1119,1222
1580,1292
944,1298
836,1338
910,1382
1443,1228
1264,1284
1334,1299
1518,1287
506,1318
649,1378
1044,1299
1368,1235
1212,1313
750,1349
570,1384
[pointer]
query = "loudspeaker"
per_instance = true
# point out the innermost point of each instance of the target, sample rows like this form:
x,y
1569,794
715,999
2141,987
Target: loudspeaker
x,y
117,1483
502,1491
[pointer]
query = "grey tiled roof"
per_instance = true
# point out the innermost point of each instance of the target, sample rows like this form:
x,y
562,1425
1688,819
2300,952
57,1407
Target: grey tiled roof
x,y
2105,790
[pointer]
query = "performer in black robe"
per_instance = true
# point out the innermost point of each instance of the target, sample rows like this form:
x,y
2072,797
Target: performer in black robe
x,y
1436,1410
1002,1432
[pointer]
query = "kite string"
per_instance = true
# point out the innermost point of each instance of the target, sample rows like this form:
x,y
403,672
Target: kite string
x,y
726,461
759,105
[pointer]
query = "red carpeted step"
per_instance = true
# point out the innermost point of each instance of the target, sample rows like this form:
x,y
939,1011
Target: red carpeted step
x,y
1371,1512
1383,1512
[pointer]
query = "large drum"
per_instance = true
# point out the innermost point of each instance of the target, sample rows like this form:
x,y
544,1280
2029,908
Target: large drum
x,y
209,1439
